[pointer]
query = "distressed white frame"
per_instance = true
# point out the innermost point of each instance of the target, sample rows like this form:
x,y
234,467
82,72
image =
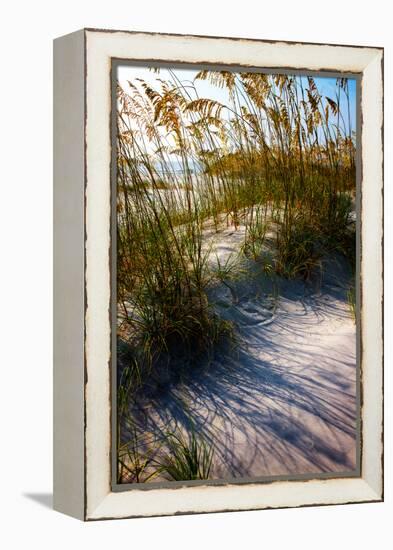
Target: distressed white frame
x,y
92,425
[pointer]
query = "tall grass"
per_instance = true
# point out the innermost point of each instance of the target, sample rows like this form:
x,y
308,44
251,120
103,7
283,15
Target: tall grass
x,y
187,458
176,457
276,157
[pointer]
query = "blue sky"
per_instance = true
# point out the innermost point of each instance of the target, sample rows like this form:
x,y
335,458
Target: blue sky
x,y
326,86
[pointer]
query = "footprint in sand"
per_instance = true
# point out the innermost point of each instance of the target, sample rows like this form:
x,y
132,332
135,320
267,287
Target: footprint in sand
x,y
254,312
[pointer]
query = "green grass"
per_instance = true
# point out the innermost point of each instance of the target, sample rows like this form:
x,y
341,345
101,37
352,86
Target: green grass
x,y
175,457
278,158
188,458
135,466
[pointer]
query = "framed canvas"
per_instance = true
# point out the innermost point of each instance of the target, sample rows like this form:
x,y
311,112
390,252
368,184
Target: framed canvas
x,y
218,270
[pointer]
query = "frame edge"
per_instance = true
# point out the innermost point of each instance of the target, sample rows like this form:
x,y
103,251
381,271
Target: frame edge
x,y
68,272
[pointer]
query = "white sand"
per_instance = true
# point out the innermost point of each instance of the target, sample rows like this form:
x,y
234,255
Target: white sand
x,y
284,402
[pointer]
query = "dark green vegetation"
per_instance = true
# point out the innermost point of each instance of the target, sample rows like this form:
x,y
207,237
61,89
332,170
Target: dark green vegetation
x,y
176,458
278,158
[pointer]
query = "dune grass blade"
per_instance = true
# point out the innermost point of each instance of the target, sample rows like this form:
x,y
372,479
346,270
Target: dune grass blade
x,y
135,465
188,458
274,158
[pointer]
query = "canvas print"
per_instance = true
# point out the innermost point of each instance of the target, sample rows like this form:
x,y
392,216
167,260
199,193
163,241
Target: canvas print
x,y
235,275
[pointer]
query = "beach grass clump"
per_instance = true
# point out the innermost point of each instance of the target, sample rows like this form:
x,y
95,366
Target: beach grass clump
x,y
277,158
166,311
188,457
256,228
162,290
276,149
135,465
173,457
273,157
298,253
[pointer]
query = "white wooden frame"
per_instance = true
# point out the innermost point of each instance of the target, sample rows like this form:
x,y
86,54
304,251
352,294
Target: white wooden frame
x,y
82,149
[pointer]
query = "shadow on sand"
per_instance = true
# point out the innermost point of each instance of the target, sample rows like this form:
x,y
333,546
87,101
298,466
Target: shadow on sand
x,y
282,403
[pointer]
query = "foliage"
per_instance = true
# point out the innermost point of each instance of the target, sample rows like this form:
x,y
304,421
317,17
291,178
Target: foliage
x,y
277,158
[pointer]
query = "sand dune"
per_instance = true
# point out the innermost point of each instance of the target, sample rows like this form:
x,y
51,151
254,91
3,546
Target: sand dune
x,y
283,402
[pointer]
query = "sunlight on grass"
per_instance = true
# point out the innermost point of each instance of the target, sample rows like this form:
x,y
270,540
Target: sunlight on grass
x,y
278,160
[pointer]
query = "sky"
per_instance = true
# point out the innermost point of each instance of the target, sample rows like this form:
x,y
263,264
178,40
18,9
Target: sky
x,y
326,85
